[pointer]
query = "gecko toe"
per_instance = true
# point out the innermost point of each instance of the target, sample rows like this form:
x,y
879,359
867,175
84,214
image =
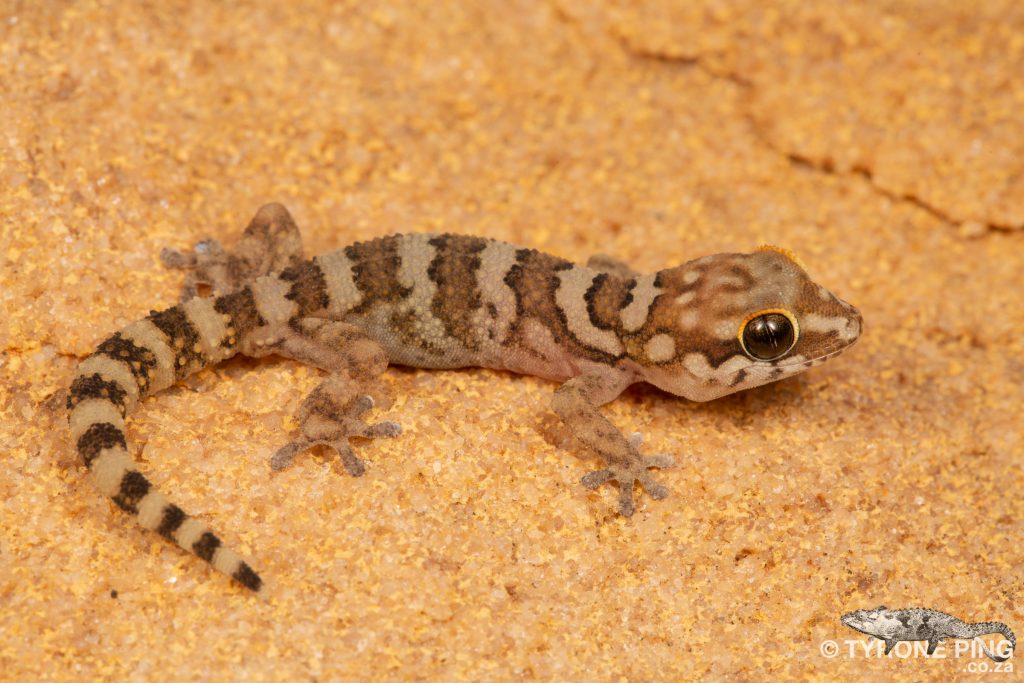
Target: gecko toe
x,y
353,465
286,454
360,405
626,505
387,429
653,488
189,291
596,478
661,461
172,258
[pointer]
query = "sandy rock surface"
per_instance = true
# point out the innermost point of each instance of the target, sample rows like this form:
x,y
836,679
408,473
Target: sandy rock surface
x,y
883,143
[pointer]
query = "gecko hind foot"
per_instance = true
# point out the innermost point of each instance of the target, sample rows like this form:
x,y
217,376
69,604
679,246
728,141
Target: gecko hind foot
x,y
626,475
206,263
270,243
326,423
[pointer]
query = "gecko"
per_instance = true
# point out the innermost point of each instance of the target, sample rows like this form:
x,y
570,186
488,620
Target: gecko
x,y
710,327
919,623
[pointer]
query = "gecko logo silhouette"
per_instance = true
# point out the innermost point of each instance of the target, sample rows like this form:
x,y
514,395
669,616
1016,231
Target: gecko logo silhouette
x,y
895,625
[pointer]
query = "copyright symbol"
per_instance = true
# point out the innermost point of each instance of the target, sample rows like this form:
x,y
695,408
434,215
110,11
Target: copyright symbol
x,y
829,648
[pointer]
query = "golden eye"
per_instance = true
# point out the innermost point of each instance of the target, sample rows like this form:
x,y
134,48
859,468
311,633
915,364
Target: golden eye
x,y
768,335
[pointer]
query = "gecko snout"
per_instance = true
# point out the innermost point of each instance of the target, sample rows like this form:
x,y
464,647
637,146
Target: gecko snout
x,y
855,323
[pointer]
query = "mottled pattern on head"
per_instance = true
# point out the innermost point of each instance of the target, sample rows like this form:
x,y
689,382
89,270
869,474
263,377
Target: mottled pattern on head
x,y
692,343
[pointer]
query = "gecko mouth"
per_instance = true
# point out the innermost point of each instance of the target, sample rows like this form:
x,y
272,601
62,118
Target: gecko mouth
x,y
830,352
834,351
852,622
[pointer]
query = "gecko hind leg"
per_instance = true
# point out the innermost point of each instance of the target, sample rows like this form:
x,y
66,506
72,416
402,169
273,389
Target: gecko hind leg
x,y
333,412
271,242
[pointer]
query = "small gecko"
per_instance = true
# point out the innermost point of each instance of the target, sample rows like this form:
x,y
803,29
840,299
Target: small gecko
x,y
701,330
894,625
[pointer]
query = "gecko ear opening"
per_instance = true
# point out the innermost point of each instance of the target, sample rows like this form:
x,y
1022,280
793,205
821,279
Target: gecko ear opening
x,y
882,607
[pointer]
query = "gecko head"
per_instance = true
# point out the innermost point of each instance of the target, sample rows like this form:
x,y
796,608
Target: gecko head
x,y
735,321
873,622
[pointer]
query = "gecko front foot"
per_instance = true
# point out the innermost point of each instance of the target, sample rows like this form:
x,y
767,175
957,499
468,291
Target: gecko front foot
x,y
324,420
625,475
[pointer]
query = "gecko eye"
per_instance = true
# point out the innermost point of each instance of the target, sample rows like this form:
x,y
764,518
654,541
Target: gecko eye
x,y
768,335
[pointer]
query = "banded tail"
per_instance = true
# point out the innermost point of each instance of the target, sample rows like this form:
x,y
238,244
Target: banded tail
x,y
143,358
986,627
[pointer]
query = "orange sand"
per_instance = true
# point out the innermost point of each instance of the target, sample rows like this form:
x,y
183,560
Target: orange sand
x,y
882,143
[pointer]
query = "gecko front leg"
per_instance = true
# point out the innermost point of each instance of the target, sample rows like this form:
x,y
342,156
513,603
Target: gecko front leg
x,y
577,402
333,412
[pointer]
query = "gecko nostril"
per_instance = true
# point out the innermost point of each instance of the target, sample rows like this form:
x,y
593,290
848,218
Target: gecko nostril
x,y
855,316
